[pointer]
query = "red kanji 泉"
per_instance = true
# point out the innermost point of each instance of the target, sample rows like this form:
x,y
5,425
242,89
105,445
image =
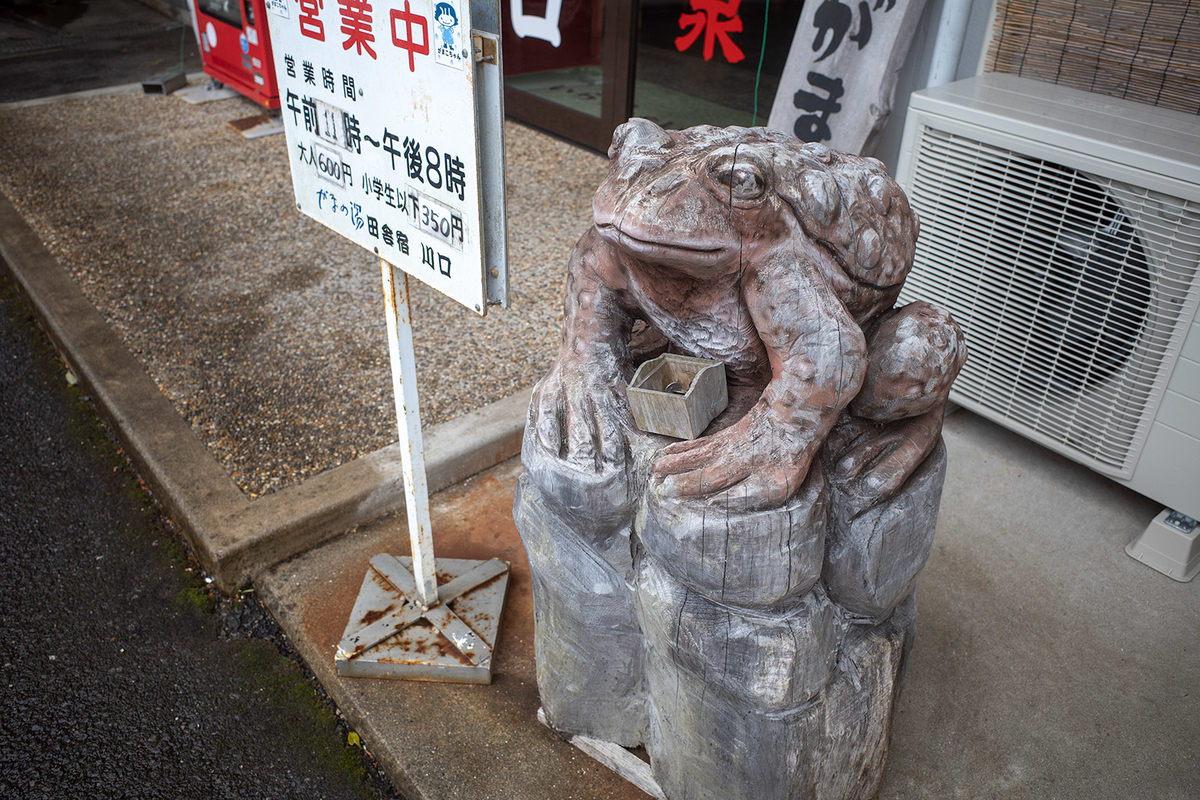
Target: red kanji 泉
x,y
707,19
356,24
310,24
407,43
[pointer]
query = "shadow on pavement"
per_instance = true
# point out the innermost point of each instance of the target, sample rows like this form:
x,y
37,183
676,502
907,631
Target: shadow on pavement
x,y
51,48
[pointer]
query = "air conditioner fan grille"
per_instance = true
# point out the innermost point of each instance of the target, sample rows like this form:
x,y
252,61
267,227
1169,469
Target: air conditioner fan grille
x,y
1068,286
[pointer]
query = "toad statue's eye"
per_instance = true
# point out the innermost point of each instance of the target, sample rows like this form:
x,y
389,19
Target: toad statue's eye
x,y
742,179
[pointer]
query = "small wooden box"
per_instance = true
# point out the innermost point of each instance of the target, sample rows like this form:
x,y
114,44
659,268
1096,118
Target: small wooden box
x,y
678,395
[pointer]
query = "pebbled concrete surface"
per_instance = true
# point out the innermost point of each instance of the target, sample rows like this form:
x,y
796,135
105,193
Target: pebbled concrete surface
x,y
233,536
265,329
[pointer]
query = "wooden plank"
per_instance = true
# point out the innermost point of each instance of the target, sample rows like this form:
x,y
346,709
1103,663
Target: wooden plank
x,y
840,77
617,759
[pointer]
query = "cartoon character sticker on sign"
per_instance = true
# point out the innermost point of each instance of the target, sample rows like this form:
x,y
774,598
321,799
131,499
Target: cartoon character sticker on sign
x,y
449,34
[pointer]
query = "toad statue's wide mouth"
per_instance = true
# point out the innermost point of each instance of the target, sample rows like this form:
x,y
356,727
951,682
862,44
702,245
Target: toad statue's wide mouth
x,y
684,254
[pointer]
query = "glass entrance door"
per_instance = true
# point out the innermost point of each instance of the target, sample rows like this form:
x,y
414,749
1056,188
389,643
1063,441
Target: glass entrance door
x,y
579,68
567,65
711,62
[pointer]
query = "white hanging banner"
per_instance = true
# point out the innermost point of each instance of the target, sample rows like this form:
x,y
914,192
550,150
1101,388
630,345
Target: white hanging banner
x,y
379,107
840,77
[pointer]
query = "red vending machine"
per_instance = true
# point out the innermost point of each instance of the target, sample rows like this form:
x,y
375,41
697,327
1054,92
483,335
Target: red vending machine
x,y
236,48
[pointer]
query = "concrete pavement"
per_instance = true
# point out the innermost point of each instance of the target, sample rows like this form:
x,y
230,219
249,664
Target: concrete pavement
x,y
80,46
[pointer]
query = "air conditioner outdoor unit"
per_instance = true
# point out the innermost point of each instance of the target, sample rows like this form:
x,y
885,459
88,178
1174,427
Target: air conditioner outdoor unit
x,y
1062,230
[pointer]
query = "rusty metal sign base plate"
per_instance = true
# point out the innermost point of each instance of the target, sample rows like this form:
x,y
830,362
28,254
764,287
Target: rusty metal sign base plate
x,y
391,636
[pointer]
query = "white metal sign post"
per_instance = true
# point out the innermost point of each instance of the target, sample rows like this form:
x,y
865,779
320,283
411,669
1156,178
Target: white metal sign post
x,y
412,443
393,113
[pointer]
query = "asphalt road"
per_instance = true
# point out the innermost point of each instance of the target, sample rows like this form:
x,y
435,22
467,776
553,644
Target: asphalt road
x,y
121,673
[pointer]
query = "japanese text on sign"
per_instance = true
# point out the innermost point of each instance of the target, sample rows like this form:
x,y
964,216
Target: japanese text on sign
x,y
716,19
364,84
832,20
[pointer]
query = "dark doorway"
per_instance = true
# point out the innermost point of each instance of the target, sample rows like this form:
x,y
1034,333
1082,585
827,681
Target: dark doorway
x,y
579,68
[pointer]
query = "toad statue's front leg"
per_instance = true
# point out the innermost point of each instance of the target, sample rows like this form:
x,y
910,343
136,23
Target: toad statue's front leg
x,y
580,438
818,358
574,509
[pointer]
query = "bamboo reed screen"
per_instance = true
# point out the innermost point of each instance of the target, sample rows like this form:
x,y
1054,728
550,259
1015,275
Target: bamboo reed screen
x,y
1144,50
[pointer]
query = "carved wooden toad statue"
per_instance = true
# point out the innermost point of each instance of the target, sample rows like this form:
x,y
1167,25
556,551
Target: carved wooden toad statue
x,y
738,603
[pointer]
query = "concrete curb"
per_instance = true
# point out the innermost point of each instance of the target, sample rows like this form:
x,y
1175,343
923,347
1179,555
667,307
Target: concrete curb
x,y
234,537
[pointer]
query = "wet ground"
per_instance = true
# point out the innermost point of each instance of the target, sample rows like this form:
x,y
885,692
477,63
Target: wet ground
x,y
121,673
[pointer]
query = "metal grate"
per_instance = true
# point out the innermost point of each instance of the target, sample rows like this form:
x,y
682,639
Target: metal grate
x,y
1070,288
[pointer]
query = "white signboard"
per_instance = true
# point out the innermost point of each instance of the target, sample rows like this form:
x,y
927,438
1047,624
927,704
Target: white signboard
x,y
385,145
